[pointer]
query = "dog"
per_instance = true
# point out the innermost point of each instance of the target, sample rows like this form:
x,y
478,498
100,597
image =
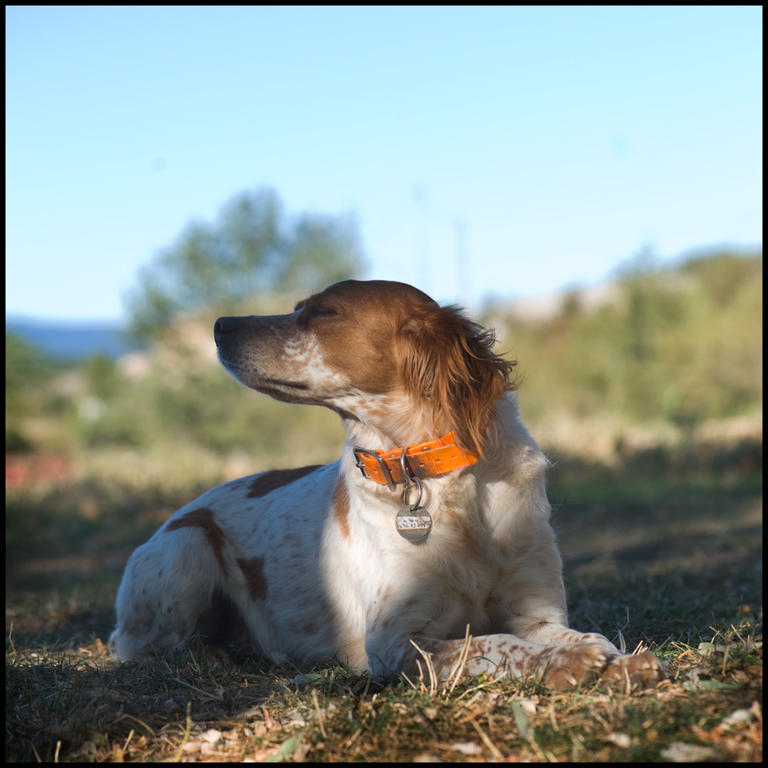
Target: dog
x,y
427,542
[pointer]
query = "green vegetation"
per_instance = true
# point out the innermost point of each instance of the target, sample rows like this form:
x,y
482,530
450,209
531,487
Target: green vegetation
x,y
28,376
252,249
676,345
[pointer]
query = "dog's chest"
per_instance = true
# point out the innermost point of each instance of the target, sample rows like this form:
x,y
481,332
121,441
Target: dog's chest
x,y
436,586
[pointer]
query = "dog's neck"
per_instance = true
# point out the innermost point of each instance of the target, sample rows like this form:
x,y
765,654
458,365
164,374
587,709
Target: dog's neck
x,y
393,422
402,428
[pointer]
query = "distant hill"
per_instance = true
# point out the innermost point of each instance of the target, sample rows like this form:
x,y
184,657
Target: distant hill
x,y
72,340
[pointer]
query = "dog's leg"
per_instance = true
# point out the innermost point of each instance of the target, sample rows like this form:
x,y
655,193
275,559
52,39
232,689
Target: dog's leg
x,y
642,668
167,585
561,667
551,633
534,601
500,656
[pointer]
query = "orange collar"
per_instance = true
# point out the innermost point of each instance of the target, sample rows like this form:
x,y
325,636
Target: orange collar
x,y
435,457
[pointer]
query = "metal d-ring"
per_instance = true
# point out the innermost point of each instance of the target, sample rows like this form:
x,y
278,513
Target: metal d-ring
x,y
413,522
407,477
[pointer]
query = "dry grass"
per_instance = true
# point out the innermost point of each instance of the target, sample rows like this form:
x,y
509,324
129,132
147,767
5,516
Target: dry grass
x,y
78,705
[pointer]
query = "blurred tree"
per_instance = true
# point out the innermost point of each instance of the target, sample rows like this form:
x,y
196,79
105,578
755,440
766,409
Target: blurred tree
x,y
252,249
679,344
27,367
722,274
101,376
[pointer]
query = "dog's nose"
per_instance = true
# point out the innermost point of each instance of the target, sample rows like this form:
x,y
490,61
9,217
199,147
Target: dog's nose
x,y
224,325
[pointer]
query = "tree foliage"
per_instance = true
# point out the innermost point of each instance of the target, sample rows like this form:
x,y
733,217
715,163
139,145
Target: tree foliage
x,y
680,345
25,364
27,367
253,248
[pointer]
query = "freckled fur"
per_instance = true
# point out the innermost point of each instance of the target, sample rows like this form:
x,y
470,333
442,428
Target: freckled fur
x,y
310,558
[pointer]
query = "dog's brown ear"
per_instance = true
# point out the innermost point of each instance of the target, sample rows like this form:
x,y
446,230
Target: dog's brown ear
x,y
447,361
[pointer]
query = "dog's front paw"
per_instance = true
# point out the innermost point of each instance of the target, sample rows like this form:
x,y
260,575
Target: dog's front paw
x,y
567,666
641,670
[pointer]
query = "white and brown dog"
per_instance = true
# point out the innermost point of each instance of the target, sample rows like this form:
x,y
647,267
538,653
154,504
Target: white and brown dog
x,y
435,517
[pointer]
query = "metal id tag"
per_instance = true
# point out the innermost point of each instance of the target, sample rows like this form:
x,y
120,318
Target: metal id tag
x,y
413,523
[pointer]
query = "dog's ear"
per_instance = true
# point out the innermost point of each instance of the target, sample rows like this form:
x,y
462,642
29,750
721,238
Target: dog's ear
x,y
448,362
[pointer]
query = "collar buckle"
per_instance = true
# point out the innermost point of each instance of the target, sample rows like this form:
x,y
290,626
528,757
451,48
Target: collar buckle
x,y
380,462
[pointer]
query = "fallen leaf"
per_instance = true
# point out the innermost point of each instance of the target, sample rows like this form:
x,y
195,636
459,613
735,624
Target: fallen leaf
x,y
521,719
739,717
285,750
467,747
619,739
212,736
680,752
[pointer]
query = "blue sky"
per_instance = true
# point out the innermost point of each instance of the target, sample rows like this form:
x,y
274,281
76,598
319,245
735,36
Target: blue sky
x,y
545,144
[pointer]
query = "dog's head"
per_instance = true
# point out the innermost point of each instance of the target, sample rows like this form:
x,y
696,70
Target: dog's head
x,y
373,351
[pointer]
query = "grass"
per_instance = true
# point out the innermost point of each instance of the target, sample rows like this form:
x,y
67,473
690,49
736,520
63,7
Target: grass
x,y
671,562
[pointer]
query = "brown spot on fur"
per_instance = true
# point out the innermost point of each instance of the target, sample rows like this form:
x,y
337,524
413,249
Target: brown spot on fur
x,y
341,506
267,482
203,518
253,570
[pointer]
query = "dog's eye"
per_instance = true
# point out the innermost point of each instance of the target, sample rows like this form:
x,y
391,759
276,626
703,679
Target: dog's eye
x,y
321,311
